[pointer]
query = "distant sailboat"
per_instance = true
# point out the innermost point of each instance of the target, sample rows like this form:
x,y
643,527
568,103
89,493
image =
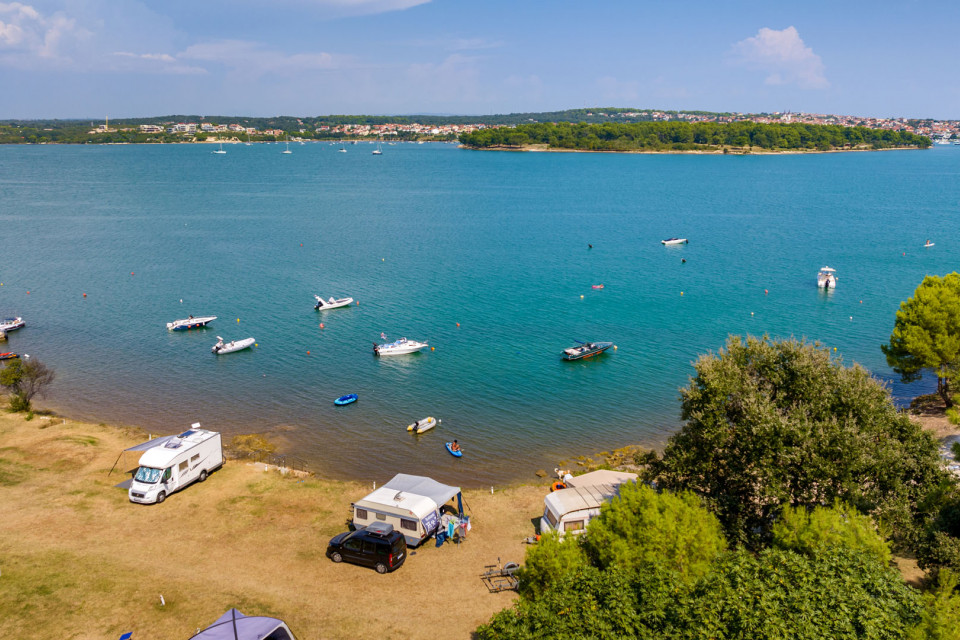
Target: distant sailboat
x,y
220,150
342,148
287,150
378,151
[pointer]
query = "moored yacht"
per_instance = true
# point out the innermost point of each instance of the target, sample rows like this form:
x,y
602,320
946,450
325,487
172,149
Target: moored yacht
x,y
400,347
190,323
585,350
827,278
10,324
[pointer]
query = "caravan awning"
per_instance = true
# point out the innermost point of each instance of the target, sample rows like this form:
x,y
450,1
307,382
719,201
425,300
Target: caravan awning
x,y
422,486
233,625
150,444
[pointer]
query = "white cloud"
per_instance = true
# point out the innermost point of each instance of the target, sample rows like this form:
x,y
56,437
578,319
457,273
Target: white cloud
x,y
29,38
783,56
254,59
153,63
360,7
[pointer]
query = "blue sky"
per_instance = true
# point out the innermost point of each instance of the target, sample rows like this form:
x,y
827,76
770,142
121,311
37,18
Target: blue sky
x,y
127,58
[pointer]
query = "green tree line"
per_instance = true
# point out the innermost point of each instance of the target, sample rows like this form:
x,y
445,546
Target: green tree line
x,y
687,136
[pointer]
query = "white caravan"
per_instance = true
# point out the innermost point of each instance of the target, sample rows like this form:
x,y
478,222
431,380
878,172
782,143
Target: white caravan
x,y
174,462
570,510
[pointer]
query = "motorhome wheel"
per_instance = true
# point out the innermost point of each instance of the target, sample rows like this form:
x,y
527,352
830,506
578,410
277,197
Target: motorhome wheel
x,y
203,475
381,568
336,557
161,497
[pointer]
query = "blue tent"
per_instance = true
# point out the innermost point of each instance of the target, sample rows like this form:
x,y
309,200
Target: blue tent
x,y
233,625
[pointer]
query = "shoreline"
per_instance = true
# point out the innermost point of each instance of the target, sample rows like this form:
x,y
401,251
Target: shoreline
x,y
728,151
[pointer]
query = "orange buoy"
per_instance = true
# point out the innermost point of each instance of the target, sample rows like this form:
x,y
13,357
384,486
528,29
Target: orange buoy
x,y
321,325
131,273
433,348
301,244
681,293
765,292
28,293
458,324
308,353
84,295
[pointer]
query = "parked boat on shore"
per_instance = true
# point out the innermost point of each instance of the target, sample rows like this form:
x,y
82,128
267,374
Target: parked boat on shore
x,y
233,345
190,323
827,278
12,324
331,303
400,347
585,350
9,355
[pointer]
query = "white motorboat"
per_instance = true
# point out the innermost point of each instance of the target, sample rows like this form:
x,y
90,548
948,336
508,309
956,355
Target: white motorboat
x,y
332,303
422,425
398,348
190,323
11,324
827,278
674,241
234,345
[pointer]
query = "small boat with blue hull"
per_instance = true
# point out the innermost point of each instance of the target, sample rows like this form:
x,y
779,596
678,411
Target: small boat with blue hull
x,y
456,453
12,324
190,323
585,350
347,399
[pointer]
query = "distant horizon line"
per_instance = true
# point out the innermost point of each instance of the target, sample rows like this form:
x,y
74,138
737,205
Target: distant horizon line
x,y
467,115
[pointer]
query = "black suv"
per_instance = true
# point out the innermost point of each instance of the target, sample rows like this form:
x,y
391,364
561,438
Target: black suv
x,y
376,545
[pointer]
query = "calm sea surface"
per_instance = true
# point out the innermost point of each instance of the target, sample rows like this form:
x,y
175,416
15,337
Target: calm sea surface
x,y
428,236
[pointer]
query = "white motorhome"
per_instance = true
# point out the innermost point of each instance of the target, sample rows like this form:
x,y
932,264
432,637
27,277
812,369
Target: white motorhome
x,y
172,462
570,510
412,504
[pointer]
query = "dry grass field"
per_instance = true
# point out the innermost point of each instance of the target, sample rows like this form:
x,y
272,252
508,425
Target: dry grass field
x,y
78,560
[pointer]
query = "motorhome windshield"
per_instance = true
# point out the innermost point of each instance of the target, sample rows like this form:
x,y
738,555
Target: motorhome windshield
x,y
148,475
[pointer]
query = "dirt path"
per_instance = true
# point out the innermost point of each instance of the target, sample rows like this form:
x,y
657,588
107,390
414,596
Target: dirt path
x,y
77,560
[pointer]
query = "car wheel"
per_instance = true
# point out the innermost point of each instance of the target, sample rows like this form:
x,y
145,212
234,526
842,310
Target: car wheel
x,y
381,568
336,557
203,475
161,497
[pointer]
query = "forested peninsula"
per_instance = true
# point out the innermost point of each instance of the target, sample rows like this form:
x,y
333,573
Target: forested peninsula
x,y
690,137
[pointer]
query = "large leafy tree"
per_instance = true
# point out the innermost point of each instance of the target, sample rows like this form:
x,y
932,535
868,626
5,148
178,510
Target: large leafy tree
x,y
642,527
777,423
837,593
926,334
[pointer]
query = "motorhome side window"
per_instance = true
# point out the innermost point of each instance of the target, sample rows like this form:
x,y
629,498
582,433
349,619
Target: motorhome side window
x,y
362,514
166,473
410,525
183,466
194,459
381,516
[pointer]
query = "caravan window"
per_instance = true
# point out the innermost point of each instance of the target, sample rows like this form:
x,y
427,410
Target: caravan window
x,y
573,525
362,514
194,459
183,466
410,525
552,519
381,516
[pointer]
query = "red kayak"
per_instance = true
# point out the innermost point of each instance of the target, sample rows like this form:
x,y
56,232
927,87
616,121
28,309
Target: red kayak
x,y
8,356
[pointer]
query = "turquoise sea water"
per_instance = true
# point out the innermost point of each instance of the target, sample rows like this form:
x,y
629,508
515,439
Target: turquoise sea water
x,y
428,236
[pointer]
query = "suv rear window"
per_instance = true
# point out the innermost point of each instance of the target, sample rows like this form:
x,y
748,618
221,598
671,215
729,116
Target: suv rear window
x,y
398,547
